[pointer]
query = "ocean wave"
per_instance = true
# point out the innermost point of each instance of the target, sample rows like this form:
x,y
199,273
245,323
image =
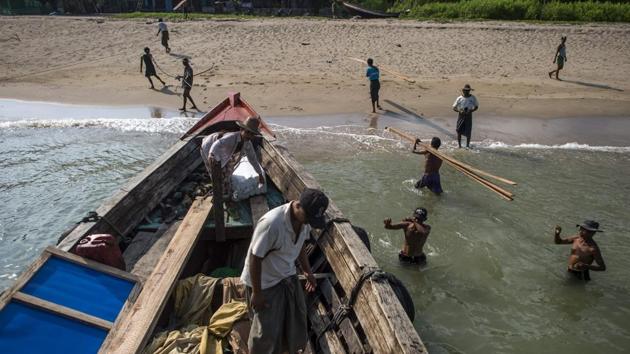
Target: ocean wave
x,y
566,146
149,125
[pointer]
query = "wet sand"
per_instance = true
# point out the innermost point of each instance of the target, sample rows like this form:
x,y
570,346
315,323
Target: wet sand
x,y
300,66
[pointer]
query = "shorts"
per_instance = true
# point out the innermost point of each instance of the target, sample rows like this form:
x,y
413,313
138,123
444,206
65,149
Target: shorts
x,y
431,181
580,274
375,86
150,71
560,62
421,259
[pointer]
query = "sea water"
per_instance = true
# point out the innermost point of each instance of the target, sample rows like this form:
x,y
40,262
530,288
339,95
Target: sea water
x,y
494,283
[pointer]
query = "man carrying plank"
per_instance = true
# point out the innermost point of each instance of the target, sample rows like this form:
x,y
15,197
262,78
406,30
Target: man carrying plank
x,y
584,250
432,164
275,298
465,105
416,234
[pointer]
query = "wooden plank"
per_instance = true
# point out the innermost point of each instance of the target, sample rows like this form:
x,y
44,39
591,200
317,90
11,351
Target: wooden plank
x,y
142,193
62,311
88,263
133,328
346,328
5,297
143,267
217,193
329,342
384,322
259,207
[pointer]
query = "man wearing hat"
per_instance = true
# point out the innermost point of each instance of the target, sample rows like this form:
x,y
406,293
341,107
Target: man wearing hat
x,y
275,297
584,250
225,150
416,234
465,105
187,82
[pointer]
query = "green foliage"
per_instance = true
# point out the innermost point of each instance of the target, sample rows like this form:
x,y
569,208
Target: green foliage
x,y
585,11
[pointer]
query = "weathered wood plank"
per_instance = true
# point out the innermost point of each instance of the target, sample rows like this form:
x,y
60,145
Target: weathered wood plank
x,y
142,193
62,311
259,207
88,263
384,321
329,342
219,211
133,328
144,265
5,297
346,328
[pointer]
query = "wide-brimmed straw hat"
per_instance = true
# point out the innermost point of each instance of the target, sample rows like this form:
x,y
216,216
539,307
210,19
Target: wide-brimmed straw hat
x,y
590,225
467,88
251,124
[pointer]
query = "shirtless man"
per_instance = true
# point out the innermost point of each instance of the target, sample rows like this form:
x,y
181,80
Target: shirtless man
x,y
584,250
432,164
416,234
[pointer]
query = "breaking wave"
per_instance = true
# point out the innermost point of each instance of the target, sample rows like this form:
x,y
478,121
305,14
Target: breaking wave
x,y
149,125
566,146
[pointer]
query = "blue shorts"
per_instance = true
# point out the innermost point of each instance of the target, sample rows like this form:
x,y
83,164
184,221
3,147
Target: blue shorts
x,y
431,181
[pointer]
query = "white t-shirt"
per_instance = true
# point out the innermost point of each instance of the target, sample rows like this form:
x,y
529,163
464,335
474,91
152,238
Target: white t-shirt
x,y
162,26
462,102
275,242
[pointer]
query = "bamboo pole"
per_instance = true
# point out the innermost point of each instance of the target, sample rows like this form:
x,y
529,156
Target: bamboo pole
x,y
475,170
399,75
467,172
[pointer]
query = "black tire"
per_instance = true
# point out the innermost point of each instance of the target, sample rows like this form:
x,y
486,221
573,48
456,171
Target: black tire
x,y
403,296
363,235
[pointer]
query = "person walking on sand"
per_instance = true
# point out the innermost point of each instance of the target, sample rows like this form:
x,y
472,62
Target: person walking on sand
x,y
465,105
416,234
373,74
162,28
432,164
275,299
560,57
149,68
187,82
584,250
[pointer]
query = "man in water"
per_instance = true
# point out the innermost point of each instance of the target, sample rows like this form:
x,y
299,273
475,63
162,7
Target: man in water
x,y
187,82
416,234
162,28
432,164
465,105
584,250
560,57
147,59
274,293
373,74
224,151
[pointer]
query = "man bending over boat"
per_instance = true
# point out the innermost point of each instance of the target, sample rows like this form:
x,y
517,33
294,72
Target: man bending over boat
x,y
432,164
416,234
584,250
224,151
275,297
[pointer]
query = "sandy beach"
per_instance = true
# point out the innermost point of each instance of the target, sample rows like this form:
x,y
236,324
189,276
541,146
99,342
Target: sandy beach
x,y
300,66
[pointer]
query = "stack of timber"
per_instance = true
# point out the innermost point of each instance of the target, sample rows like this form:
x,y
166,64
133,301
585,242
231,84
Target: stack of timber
x,y
469,171
165,222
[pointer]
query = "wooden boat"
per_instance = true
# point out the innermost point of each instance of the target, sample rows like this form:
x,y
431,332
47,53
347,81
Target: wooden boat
x,y
177,244
356,10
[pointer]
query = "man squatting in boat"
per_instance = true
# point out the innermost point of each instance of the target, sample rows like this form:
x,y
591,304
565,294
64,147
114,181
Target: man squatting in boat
x,y
432,164
275,298
223,151
584,250
416,234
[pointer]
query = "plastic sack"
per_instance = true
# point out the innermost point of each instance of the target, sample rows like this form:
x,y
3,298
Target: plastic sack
x,y
244,181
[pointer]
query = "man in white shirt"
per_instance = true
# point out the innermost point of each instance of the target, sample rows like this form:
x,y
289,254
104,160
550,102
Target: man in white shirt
x,y
225,150
275,296
465,105
162,28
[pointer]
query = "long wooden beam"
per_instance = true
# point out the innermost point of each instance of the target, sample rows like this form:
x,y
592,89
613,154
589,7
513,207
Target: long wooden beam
x,y
397,74
133,327
382,317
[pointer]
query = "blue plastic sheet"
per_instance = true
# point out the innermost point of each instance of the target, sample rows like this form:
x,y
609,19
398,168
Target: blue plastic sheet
x,y
79,288
24,329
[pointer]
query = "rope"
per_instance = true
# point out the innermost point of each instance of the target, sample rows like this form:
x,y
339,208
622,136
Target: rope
x,y
93,216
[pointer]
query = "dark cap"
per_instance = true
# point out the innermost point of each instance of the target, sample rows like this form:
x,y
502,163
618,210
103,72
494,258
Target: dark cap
x,y
590,225
420,214
314,202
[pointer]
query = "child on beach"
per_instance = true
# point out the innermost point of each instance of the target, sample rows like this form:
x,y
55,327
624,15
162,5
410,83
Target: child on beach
x,y
432,164
162,28
560,57
416,234
147,59
373,74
